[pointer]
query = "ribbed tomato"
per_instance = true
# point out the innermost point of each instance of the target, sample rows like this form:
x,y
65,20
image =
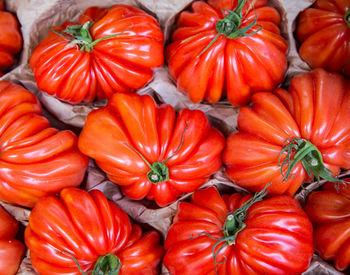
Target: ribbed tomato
x,y
35,159
150,150
110,50
324,33
10,38
329,212
85,228
248,53
238,235
289,137
11,250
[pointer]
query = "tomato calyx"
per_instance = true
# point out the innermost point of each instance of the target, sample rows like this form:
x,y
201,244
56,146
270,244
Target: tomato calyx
x,y
299,149
231,23
159,172
234,224
347,17
79,36
108,264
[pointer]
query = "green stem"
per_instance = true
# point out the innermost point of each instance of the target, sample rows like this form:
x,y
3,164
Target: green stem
x,y
347,20
75,260
347,17
108,264
159,172
234,223
239,7
230,25
79,35
105,37
182,141
299,149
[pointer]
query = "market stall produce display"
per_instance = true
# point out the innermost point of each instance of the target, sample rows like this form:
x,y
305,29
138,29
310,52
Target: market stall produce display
x,y
154,133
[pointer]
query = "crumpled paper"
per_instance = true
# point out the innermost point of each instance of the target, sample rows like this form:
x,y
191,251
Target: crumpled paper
x,y
37,16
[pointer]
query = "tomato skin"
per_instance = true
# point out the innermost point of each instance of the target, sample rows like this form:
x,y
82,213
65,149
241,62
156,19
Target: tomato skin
x,y
325,36
307,111
119,64
87,225
156,132
10,38
35,159
277,238
229,67
329,212
11,250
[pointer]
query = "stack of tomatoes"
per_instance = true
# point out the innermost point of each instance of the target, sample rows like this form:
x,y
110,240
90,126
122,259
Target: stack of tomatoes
x,y
219,49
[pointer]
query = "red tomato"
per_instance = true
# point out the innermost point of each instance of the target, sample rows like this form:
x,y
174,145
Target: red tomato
x,y
110,50
235,65
11,250
273,236
150,150
10,38
86,227
314,113
329,212
35,159
324,33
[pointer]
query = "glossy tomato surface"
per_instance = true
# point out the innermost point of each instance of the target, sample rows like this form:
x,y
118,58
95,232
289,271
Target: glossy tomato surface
x,y
315,109
83,226
232,67
11,250
329,212
133,133
35,159
276,239
10,38
324,33
121,63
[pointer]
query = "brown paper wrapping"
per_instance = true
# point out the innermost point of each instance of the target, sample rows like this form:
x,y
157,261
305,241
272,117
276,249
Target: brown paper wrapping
x,y
37,16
